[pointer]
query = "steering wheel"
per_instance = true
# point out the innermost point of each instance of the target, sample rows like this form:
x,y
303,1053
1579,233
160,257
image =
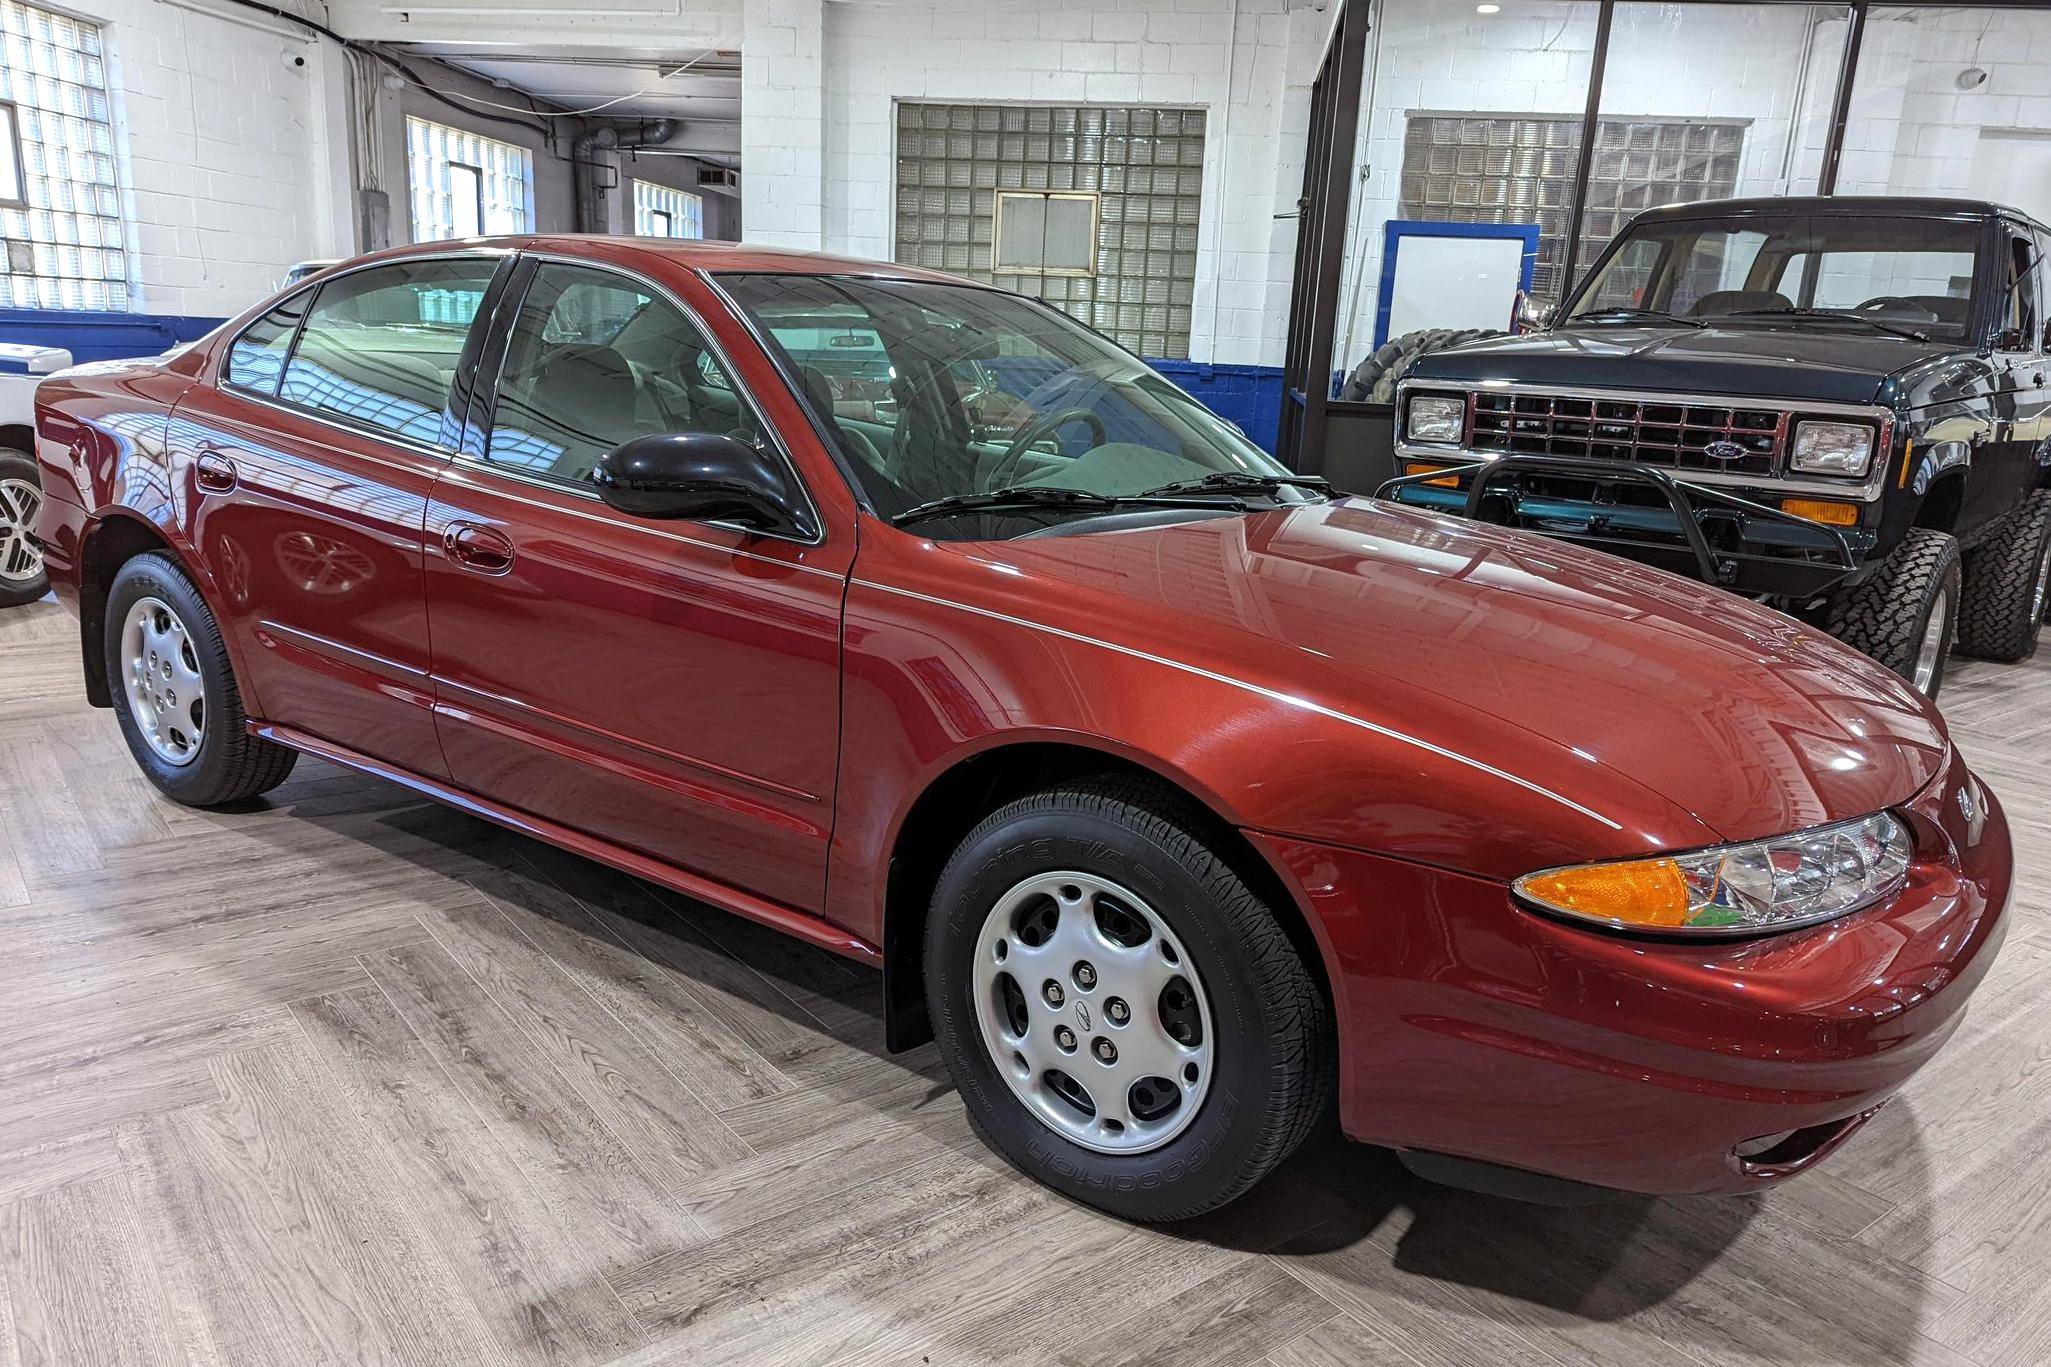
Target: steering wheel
x,y
1041,427
1887,303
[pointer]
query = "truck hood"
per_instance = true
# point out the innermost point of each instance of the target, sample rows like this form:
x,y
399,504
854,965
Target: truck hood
x,y
1632,689
1821,364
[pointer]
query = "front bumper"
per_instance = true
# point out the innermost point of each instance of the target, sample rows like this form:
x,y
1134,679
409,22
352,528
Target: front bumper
x,y
1644,513
1472,1027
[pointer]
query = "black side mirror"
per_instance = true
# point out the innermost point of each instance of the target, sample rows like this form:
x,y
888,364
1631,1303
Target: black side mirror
x,y
706,477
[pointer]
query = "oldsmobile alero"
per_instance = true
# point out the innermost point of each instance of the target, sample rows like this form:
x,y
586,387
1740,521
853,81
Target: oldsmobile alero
x,y
1172,791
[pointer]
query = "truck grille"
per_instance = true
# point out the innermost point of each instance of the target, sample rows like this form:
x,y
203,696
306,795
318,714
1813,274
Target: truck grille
x,y
1674,435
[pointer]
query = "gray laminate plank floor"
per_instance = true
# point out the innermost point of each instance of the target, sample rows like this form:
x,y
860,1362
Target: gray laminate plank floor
x,y
348,1077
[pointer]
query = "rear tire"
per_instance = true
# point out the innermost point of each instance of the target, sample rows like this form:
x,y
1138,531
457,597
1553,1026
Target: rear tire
x,y
175,694
2008,585
21,565
1904,615
1251,1050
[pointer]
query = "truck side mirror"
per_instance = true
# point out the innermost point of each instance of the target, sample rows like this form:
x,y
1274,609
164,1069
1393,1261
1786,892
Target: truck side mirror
x,y
1529,315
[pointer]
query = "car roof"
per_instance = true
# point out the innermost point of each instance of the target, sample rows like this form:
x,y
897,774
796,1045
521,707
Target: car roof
x,y
690,253
1888,206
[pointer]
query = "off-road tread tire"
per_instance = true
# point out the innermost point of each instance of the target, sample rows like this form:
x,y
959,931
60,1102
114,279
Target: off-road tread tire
x,y
1374,380
1884,616
1994,617
18,464
232,766
1302,1075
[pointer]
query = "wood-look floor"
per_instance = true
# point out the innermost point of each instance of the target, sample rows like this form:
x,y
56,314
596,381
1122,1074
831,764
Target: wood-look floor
x,y
351,1078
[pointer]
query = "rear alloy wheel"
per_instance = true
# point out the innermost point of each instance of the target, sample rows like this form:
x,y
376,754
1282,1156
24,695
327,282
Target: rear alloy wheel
x,y
1905,614
21,562
2008,585
1126,1019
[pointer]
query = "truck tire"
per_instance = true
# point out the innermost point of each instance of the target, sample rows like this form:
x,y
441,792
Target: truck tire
x,y
2008,585
1374,379
1904,614
21,565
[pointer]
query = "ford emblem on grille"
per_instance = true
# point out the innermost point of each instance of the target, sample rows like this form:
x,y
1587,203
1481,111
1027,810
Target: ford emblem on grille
x,y
1725,449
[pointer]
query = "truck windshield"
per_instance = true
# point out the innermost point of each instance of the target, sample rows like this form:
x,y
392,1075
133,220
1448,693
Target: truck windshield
x,y
1912,276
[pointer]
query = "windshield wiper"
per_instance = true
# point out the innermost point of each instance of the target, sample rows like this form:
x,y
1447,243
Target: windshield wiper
x,y
1033,496
1633,311
1846,314
1239,482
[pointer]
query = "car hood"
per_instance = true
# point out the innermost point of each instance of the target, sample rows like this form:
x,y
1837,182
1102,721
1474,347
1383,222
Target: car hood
x,y
1822,364
1620,686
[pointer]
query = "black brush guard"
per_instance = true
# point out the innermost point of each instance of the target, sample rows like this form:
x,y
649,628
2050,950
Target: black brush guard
x,y
1493,494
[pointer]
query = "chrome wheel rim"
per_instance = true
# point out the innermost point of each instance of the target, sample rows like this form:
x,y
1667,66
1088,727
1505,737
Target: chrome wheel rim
x,y
1930,652
166,693
1093,1012
20,561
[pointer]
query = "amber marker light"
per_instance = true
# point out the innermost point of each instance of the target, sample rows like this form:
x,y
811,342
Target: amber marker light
x,y
1420,468
1824,510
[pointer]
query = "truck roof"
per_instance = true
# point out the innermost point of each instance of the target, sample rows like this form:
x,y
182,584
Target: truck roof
x,y
1890,206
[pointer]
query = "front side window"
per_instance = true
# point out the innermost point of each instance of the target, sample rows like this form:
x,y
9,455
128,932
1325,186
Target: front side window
x,y
2024,283
1911,274
596,358
66,244
379,347
463,184
933,391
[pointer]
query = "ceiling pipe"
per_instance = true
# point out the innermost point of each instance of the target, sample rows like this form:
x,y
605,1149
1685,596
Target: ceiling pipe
x,y
604,139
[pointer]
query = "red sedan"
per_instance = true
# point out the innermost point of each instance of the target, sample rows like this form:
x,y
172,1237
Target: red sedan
x,y
1171,791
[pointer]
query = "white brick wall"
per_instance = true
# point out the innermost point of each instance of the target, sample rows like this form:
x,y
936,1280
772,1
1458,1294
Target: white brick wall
x,y
230,167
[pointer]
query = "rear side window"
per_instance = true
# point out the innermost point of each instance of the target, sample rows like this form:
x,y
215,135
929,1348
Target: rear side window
x,y
379,348
258,357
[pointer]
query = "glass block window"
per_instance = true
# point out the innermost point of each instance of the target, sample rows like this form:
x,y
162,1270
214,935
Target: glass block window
x,y
1519,168
1143,167
464,184
66,246
660,211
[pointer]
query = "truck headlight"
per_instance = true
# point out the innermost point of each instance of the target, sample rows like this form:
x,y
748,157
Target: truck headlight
x,y
1833,448
1777,884
1435,418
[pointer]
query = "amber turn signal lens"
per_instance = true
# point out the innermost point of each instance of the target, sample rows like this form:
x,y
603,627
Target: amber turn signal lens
x,y
1639,892
1420,468
1822,510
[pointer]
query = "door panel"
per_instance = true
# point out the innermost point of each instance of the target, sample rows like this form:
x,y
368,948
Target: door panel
x,y
670,687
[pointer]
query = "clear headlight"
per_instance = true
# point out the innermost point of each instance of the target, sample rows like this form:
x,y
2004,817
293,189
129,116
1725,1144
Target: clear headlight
x,y
1833,448
1777,884
1434,417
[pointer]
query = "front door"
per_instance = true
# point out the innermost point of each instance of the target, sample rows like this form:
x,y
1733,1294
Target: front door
x,y
673,687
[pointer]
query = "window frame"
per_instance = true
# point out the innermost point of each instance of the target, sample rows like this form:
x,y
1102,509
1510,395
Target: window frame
x,y
1096,203
529,203
490,366
462,394
20,200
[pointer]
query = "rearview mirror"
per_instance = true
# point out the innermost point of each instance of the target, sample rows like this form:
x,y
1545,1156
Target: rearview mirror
x,y
703,476
1529,315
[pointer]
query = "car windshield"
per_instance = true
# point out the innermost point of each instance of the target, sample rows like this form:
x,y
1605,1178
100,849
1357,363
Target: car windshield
x,y
1907,275
937,392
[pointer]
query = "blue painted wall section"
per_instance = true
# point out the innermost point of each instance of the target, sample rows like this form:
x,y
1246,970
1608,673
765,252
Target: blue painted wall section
x,y
1248,395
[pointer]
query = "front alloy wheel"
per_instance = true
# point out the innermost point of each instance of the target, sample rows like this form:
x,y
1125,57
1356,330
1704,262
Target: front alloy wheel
x,y
21,561
166,696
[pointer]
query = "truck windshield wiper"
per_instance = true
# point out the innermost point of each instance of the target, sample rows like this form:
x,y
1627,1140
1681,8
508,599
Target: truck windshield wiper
x,y
1239,482
1846,314
1633,311
1033,496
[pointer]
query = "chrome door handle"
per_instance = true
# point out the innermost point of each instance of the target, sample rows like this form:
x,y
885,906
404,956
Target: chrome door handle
x,y
214,472
477,548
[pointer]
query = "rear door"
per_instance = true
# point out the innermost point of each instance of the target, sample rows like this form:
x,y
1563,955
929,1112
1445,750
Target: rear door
x,y
673,687
313,455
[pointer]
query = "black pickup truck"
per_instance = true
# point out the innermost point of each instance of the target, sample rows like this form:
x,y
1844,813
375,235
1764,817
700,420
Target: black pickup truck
x,y
1839,406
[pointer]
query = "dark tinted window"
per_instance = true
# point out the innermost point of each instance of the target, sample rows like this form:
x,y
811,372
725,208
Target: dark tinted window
x,y
594,359
258,356
2025,288
380,346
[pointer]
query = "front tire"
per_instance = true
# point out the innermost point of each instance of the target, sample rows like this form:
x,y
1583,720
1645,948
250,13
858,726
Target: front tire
x,y
2008,585
1904,615
1127,1021
21,564
175,694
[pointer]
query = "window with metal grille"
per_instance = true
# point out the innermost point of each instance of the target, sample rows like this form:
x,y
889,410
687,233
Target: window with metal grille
x,y
660,211
1143,167
60,202
1519,168
464,184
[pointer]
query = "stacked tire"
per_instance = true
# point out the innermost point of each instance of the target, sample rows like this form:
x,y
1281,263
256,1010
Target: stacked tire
x,y
1374,380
